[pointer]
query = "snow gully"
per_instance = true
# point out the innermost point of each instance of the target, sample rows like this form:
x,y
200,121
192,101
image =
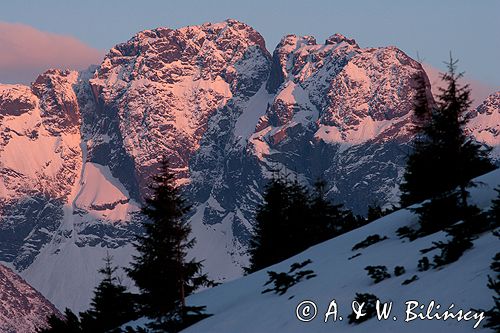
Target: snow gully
x,y
415,310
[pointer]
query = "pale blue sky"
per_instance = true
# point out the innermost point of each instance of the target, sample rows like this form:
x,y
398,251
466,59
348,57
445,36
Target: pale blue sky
x,y
470,29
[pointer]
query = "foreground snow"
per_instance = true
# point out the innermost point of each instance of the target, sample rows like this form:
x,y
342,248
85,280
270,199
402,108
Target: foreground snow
x,y
239,306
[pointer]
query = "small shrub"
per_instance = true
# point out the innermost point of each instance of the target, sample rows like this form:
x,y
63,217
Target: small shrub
x,y
406,232
283,281
438,213
399,270
429,249
423,264
370,240
410,280
451,251
378,273
369,308
354,256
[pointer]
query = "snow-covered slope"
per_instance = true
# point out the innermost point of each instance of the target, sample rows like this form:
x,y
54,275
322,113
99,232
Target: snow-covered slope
x,y
77,149
239,306
22,308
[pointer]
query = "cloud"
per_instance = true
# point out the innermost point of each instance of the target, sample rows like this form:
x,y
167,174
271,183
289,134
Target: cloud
x,y
479,90
26,52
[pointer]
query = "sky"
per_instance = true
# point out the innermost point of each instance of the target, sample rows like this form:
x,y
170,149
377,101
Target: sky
x,y
35,35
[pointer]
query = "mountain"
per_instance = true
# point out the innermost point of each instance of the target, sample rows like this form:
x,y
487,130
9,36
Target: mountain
x,y
23,308
240,306
77,148
485,122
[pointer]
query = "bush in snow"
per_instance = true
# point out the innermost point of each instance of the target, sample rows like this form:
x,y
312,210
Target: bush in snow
x,y
473,222
399,270
378,273
410,280
369,308
494,212
423,264
438,213
283,281
452,250
370,240
407,232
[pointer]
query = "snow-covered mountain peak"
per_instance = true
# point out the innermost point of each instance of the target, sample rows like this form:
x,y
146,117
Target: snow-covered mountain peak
x,y
346,93
172,81
339,38
165,55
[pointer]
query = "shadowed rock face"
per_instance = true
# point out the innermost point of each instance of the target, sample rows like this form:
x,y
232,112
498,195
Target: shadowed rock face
x,y
23,308
77,150
58,100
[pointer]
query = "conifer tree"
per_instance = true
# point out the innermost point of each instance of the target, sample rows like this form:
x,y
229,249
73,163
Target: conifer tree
x,y
68,324
422,104
291,219
494,213
271,218
444,157
160,270
111,305
374,212
327,220
297,219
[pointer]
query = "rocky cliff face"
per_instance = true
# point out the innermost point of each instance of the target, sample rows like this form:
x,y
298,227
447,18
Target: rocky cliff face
x,y
77,149
164,85
23,309
485,123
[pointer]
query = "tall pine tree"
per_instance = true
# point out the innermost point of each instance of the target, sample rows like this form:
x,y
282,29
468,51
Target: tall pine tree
x,y
160,270
444,157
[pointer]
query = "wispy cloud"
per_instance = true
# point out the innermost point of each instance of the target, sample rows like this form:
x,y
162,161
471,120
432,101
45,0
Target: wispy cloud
x,y
27,52
479,90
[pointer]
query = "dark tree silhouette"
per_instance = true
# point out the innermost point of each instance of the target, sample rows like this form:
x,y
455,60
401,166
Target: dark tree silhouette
x,y
160,270
111,305
291,219
443,156
68,324
326,220
267,244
